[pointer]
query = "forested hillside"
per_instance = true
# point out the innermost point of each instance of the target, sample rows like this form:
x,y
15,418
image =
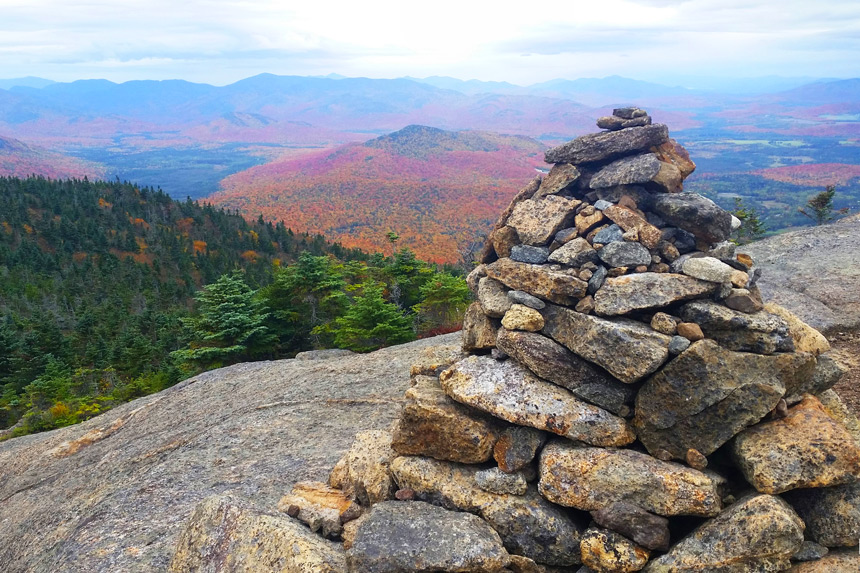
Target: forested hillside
x,y
109,291
437,189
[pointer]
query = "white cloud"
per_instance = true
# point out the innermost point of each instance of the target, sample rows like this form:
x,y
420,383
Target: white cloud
x,y
219,41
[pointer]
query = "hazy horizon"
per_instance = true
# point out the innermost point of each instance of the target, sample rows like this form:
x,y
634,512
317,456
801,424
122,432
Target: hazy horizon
x,y
221,41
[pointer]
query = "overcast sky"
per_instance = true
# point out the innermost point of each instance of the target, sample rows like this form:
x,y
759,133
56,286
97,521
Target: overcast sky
x,y
221,41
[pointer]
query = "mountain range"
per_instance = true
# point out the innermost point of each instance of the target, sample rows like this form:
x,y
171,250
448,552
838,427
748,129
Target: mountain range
x,y
257,144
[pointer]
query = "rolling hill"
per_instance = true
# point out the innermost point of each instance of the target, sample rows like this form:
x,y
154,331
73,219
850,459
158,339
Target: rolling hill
x,y
437,189
18,159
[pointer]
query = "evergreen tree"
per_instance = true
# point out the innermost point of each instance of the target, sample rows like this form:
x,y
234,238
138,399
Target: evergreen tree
x,y
444,301
820,207
751,228
371,322
230,326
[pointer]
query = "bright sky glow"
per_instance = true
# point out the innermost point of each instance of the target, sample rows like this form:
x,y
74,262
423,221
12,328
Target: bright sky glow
x,y
221,41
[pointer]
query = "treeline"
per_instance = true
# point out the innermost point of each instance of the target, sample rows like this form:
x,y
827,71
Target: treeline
x,y
109,292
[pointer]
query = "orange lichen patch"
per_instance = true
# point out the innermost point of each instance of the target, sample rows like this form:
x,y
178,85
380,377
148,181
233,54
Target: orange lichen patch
x,y
250,256
67,449
320,494
104,204
200,246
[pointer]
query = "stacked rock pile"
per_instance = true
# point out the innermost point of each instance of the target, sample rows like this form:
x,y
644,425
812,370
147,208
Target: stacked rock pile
x,y
623,400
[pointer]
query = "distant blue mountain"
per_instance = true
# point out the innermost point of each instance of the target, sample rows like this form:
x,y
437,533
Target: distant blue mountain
x,y
28,82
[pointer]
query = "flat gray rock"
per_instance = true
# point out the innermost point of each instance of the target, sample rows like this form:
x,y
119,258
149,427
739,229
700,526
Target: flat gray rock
x,y
608,145
115,492
705,396
399,536
760,332
509,391
695,214
624,254
627,171
645,291
627,349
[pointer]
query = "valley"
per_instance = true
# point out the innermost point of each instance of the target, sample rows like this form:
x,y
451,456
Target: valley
x,y
295,148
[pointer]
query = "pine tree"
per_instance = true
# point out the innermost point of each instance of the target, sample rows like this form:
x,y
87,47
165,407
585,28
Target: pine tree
x,y
819,208
230,326
444,301
751,228
371,322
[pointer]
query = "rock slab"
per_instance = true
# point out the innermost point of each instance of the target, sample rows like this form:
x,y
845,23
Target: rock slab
x,y
509,391
399,536
593,478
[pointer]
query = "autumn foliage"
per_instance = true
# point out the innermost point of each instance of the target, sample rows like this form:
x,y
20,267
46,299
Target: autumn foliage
x,y
436,189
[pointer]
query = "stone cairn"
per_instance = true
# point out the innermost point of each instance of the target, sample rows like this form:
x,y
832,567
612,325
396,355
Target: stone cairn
x,y
623,399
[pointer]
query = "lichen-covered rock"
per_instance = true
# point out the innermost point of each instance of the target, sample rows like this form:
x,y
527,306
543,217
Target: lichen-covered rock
x,y
647,234
521,317
762,333
825,375
694,214
529,524
493,297
517,447
806,338
561,176
539,281
836,409
509,391
479,330
415,536
363,472
758,533
488,253
432,424
223,537
494,480
843,561
606,551
609,145
322,507
831,514
633,170
537,220
805,449
627,349
574,253
503,241
552,361
593,478
707,395
674,153
644,291
644,528
433,360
